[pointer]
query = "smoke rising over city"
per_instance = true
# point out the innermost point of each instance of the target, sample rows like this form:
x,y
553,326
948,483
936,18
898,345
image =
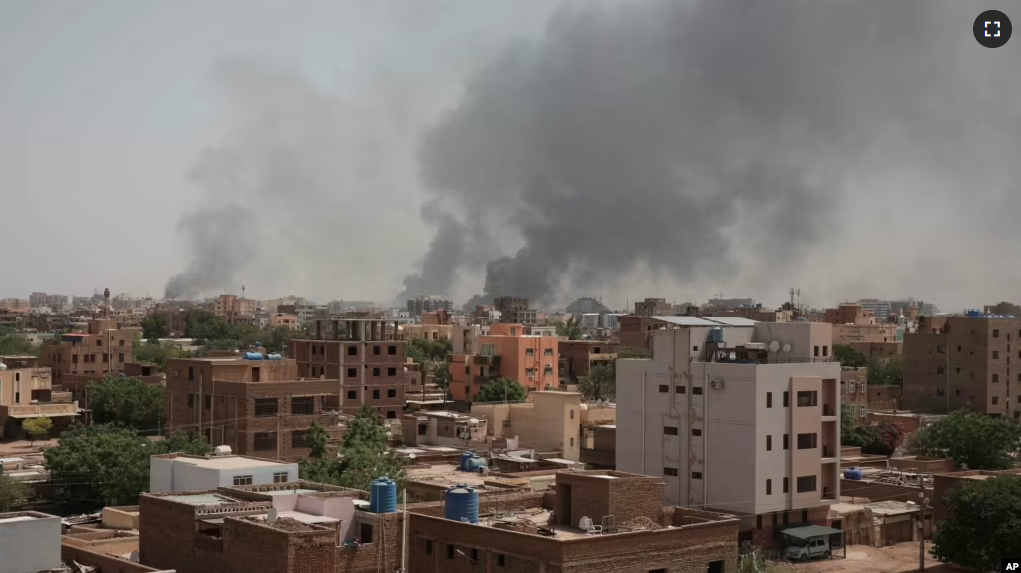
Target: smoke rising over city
x,y
641,140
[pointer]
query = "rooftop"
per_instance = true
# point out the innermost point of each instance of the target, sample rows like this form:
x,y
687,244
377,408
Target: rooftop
x,y
446,475
707,321
225,462
201,499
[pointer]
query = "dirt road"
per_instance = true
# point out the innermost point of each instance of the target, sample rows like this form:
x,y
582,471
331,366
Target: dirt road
x,y
900,558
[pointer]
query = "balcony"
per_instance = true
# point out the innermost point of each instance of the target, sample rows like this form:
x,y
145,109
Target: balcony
x,y
828,411
50,410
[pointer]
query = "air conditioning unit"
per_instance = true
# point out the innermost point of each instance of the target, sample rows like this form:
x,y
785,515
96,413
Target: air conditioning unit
x,y
716,384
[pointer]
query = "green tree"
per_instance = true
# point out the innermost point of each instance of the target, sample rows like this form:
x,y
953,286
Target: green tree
x,y
886,371
600,384
17,345
983,525
849,357
633,352
108,465
13,493
317,440
501,390
221,344
441,374
570,328
155,326
37,427
127,401
969,438
848,421
365,455
158,354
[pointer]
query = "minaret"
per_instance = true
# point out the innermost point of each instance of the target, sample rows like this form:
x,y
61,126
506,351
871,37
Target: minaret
x,y
106,303
242,292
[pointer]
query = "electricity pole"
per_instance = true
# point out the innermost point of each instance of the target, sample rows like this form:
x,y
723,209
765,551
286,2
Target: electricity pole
x,y
921,522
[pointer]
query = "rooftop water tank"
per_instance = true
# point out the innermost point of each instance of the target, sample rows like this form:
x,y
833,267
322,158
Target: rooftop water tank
x,y
462,504
854,473
383,496
461,464
253,356
474,464
974,314
716,335
274,357
258,344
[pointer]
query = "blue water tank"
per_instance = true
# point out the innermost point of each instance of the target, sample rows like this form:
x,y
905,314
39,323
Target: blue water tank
x,y
383,496
474,464
462,464
974,314
462,504
854,473
258,344
253,356
716,335
274,357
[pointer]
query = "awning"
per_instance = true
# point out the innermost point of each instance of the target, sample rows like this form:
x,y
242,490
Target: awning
x,y
810,532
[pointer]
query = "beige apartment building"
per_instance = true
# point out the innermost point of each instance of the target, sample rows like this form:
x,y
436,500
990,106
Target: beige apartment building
x,y
26,392
854,324
740,417
104,349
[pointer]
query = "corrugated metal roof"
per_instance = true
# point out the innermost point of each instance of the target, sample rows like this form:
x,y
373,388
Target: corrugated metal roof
x,y
686,320
732,320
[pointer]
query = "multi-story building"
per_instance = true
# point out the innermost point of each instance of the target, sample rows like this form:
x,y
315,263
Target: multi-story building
x,y
587,305
103,349
288,320
741,417
506,352
578,356
11,319
653,307
427,331
963,361
182,472
422,304
19,305
30,541
51,300
235,310
364,357
26,392
852,323
1001,309
257,407
514,310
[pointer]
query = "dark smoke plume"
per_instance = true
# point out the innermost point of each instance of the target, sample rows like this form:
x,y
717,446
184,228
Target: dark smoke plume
x,y
666,134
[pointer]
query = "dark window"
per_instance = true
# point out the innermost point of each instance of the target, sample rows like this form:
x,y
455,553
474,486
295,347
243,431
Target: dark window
x,y
682,389
391,392
769,399
696,432
804,516
120,342
375,394
392,415
209,402
696,475
375,372
664,388
758,522
808,398
306,405
120,358
715,567
697,390
267,406
996,355
769,487
786,399
670,471
191,400
242,480
375,351
450,551
474,554
500,560
996,378
787,486
428,547
265,441
422,429
191,373
391,372
786,441
670,430
352,394
352,350
365,531
352,372
806,484
996,333
391,350
298,439
807,441
280,477
769,443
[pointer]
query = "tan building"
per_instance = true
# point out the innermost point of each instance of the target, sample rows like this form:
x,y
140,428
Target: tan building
x,y
26,392
288,320
854,324
742,418
257,407
364,357
856,392
235,310
879,350
514,310
441,428
103,349
578,356
427,331
956,362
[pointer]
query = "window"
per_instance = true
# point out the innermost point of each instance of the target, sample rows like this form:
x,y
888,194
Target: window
x,y
375,394
391,392
529,352
266,407
996,333
807,441
191,400
816,351
191,373
996,354
758,522
352,350
375,372
696,432
352,372
682,389
806,484
548,353
428,547
787,485
314,349
391,372
996,378
769,482
786,399
120,357
305,405
670,471
298,439
696,475
572,442
391,350
861,411
996,400
366,533
265,441
280,477
769,399
376,351
209,402
670,430
808,398
99,342
769,443
120,342
697,390
352,394
450,551
242,480
825,350
940,370
474,554
786,441
500,560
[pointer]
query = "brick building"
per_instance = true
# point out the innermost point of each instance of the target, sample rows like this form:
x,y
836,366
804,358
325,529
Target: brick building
x,y
77,384
104,349
963,361
257,407
235,310
26,392
514,310
363,357
578,356
507,352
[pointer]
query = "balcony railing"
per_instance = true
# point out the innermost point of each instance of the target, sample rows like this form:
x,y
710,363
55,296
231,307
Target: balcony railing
x,y
39,410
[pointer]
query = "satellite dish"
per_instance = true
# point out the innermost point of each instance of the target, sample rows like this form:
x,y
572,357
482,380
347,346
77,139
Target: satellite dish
x,y
774,346
272,515
786,348
133,557
412,456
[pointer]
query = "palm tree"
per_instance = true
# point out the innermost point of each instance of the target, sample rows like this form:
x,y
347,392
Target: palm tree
x,y
600,384
571,329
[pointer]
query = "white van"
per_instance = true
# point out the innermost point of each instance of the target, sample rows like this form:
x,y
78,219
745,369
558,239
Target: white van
x,y
801,550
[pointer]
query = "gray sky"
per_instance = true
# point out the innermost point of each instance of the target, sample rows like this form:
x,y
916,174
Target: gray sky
x,y
118,117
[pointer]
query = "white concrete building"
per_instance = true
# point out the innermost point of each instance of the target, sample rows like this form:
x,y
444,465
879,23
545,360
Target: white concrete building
x,y
29,542
736,415
180,472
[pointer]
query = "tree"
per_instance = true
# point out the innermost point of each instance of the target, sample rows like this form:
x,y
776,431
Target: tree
x,y
17,345
600,384
848,421
37,427
365,455
317,439
886,371
501,390
849,357
155,326
633,352
127,401
109,465
983,525
570,328
881,438
158,354
13,493
973,439
441,374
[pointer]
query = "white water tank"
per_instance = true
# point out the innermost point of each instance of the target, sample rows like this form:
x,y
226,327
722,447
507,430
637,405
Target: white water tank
x,y
222,451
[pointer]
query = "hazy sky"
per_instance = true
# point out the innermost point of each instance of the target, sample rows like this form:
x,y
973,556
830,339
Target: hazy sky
x,y
117,118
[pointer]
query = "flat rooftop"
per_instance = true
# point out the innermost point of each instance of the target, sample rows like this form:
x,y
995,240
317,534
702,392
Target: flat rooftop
x,y
228,462
446,475
201,499
18,518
